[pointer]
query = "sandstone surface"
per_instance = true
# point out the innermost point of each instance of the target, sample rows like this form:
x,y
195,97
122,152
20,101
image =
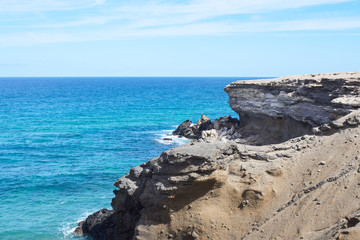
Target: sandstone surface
x,y
295,175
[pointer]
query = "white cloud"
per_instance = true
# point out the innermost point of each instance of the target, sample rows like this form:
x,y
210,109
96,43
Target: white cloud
x,y
139,14
113,20
155,13
9,6
199,29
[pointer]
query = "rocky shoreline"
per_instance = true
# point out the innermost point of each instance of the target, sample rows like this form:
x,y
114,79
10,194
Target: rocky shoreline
x,y
223,127
288,168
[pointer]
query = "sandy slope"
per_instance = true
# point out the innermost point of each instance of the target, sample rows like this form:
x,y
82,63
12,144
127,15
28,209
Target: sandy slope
x,y
310,195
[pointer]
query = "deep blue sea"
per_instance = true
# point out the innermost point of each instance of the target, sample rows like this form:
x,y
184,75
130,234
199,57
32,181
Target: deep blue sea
x,y
64,142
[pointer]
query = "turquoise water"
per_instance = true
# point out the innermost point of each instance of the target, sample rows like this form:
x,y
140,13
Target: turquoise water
x,y
64,141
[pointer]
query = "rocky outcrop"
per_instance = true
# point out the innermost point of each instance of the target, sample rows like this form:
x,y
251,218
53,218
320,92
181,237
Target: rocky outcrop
x,y
287,107
300,187
185,129
148,194
189,130
275,110
223,127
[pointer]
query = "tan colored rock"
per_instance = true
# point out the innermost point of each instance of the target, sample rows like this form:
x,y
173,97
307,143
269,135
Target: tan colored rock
x,y
209,134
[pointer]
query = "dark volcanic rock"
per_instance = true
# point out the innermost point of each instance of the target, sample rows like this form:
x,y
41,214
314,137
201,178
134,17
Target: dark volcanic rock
x,y
181,129
204,123
226,122
98,225
186,130
227,127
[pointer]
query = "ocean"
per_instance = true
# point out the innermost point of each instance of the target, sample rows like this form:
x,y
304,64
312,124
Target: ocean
x,y
64,142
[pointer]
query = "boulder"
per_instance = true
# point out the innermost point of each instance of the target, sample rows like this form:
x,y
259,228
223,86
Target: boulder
x,y
204,123
186,129
182,128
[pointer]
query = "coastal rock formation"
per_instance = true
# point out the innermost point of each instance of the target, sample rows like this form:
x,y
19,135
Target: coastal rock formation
x,y
276,110
304,185
185,129
223,127
188,130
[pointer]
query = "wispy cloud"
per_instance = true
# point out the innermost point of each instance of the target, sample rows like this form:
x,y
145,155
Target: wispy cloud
x,y
113,20
19,6
208,7
199,29
158,13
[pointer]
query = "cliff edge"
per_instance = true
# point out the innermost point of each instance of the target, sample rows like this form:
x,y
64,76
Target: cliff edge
x,y
290,171
282,108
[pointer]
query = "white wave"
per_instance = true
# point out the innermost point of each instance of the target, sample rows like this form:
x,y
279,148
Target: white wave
x,y
166,138
176,126
67,229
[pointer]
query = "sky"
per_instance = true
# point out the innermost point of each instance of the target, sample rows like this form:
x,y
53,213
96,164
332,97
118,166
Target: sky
x,y
253,38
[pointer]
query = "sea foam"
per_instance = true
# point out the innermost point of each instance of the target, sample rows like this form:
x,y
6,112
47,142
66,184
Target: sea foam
x,y
67,229
166,137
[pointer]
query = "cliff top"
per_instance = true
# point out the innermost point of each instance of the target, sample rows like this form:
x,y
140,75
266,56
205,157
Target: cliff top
x,y
317,77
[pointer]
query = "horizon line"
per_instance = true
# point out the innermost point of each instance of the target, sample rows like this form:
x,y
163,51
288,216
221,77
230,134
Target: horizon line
x,y
136,76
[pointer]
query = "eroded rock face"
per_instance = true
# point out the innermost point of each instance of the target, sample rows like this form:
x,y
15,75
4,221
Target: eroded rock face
x,y
287,107
149,192
223,190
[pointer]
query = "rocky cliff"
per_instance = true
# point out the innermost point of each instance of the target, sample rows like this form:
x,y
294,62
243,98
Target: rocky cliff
x,y
287,107
294,174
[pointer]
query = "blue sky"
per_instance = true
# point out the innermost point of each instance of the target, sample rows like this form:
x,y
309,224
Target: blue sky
x,y
178,38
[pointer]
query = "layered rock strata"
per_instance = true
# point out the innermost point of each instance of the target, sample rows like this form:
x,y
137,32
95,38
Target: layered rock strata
x,y
275,110
304,187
